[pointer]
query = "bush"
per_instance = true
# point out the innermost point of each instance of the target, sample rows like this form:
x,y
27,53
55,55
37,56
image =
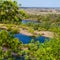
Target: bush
x,y
31,31
14,30
10,9
49,50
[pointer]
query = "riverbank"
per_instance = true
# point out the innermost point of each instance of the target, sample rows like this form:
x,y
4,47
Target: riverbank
x,y
26,32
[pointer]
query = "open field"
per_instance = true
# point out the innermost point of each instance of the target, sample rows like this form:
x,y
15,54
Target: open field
x,y
38,11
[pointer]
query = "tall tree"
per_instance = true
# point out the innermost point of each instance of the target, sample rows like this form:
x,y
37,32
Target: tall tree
x,y
9,11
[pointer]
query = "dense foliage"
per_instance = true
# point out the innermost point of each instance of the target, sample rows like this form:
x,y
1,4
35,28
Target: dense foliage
x,y
49,50
9,12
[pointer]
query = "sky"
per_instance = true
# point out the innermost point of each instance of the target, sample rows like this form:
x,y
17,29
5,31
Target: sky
x,y
39,3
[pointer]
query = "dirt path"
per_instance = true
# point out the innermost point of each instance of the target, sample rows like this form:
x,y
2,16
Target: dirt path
x,y
25,32
43,33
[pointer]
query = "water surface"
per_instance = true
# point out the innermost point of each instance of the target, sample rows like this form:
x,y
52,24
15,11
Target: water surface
x,y
29,21
26,39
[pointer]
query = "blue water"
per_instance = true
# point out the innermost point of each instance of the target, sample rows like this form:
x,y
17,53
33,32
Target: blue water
x,y
29,21
42,39
19,58
26,39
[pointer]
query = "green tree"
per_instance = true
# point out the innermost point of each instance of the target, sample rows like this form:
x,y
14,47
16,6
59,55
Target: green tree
x,y
9,12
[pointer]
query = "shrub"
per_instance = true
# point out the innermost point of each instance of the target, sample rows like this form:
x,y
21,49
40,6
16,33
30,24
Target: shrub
x,y
14,30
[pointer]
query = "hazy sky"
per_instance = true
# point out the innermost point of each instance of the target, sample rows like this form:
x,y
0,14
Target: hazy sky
x,y
39,3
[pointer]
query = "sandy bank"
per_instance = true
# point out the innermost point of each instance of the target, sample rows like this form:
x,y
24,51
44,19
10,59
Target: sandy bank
x,y
43,33
25,32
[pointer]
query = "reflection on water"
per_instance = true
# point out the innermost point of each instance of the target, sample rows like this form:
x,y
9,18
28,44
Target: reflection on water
x,y
29,21
26,39
42,39
19,58
16,58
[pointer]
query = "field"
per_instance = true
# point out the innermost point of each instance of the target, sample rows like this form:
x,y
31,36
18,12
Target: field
x,y
41,10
